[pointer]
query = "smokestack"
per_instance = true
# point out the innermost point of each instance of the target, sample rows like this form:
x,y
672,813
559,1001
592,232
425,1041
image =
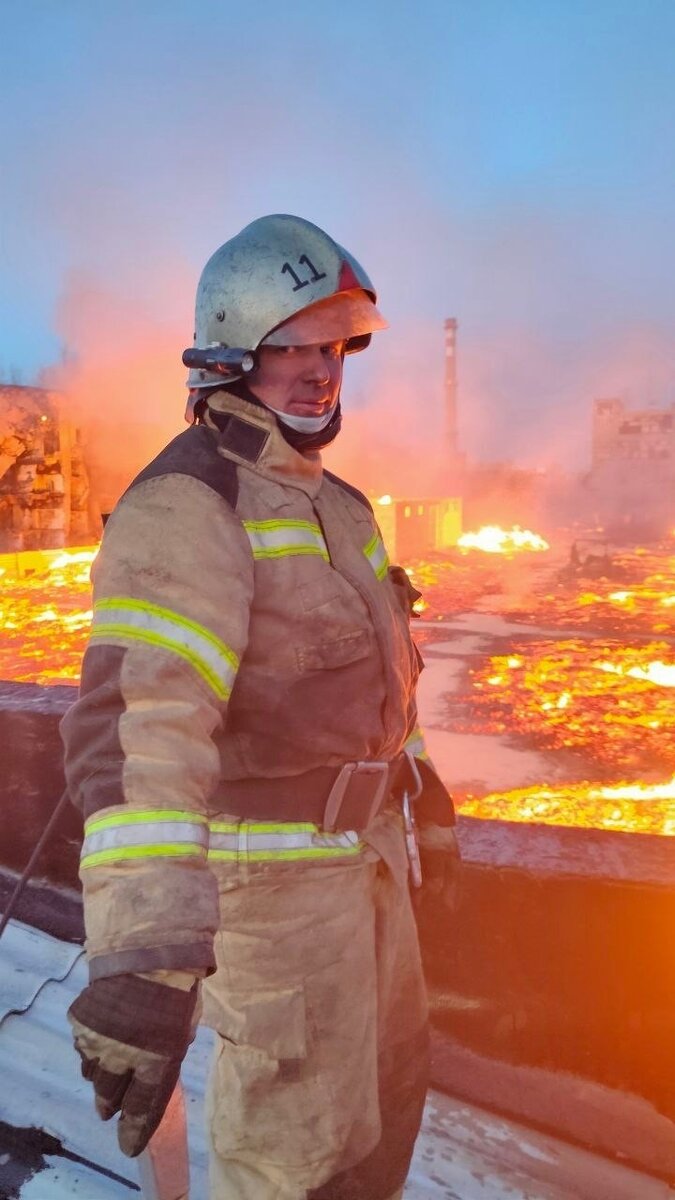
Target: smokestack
x,y
451,435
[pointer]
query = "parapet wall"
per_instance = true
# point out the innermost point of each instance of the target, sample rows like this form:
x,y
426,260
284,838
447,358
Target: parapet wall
x,y
552,984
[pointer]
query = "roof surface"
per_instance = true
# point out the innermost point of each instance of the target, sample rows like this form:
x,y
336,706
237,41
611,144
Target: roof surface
x,y
53,1147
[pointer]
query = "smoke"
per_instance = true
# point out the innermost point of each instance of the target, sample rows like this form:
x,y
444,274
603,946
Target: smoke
x,y
122,380
156,152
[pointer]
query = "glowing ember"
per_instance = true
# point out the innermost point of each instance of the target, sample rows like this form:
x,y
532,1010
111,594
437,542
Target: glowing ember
x,y
611,703
492,539
645,602
44,608
625,807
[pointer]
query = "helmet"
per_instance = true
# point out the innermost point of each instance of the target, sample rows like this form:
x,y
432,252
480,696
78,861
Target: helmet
x,y
279,267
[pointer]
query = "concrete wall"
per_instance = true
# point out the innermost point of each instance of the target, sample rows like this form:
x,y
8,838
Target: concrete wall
x,y
552,984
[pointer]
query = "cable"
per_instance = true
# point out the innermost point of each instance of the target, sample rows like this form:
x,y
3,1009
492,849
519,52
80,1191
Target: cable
x,y
28,869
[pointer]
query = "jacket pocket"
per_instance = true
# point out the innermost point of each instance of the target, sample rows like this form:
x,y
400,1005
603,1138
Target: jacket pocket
x,y
338,652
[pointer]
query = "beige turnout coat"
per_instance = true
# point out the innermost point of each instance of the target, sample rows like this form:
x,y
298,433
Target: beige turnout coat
x,y
245,627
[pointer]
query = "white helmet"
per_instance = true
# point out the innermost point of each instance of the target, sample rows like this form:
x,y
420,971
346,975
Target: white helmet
x,y
277,268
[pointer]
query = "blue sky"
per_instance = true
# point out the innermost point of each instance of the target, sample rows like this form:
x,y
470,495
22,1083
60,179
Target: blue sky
x,y
508,162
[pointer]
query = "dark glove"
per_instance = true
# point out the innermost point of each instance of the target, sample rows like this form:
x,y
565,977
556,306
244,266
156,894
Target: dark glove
x,y
441,866
132,1034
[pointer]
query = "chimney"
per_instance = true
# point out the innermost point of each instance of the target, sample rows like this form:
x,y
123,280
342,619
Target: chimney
x,y
451,435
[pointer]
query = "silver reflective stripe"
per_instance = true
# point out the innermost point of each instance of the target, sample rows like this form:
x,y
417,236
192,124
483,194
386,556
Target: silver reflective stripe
x,y
151,833
285,538
124,618
269,842
377,555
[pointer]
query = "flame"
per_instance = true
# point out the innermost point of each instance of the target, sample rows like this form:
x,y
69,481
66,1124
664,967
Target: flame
x,y
386,499
624,807
45,612
602,704
492,539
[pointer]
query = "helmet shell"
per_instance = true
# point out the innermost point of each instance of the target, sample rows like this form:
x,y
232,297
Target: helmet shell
x,y
277,267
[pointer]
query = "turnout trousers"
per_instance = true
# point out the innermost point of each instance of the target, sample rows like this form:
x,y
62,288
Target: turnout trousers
x,y
321,1063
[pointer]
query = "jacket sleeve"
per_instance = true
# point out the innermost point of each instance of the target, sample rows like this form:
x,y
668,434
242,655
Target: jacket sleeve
x,y
173,585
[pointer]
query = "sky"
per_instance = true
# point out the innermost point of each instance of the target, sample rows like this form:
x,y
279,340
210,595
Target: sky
x,y
507,162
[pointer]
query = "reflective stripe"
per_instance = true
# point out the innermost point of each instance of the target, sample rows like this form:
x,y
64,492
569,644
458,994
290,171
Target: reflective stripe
x,y
123,618
149,833
284,842
415,744
279,539
377,555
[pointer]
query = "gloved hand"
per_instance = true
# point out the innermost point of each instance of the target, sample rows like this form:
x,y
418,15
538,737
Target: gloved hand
x,y
132,1034
441,865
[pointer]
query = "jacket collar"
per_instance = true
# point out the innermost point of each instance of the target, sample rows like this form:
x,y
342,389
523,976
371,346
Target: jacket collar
x,y
252,438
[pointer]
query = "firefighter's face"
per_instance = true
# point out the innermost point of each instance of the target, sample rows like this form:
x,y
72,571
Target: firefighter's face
x,y
302,380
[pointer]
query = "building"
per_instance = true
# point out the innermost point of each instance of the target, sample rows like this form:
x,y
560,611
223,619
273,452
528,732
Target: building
x,y
632,475
45,500
413,528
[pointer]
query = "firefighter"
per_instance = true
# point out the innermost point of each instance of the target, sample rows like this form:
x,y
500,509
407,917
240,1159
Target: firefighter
x,y
245,751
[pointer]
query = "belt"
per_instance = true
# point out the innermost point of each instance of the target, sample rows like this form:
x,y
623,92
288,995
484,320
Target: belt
x,y
348,797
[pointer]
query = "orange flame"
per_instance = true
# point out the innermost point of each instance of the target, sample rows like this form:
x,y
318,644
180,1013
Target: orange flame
x,y
492,539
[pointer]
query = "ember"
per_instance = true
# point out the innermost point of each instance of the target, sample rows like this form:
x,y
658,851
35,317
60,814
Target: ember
x,y
626,807
612,703
637,596
45,609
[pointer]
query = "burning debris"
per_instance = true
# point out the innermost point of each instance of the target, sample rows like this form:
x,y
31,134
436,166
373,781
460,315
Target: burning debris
x,y
612,703
45,600
603,705
643,603
492,539
625,807
45,494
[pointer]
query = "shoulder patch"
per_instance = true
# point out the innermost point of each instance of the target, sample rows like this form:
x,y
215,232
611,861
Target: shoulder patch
x,y
194,453
347,487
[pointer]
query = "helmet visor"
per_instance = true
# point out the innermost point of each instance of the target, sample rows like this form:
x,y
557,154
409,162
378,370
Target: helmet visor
x,y
339,318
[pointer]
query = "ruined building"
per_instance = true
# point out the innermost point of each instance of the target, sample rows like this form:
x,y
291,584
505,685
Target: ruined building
x,y
45,495
633,467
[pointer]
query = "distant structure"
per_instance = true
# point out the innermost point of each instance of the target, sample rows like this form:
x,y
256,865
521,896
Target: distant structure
x,y
413,528
454,459
633,466
45,498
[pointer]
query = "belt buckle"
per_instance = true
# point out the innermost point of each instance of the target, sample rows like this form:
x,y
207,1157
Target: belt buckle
x,y
340,789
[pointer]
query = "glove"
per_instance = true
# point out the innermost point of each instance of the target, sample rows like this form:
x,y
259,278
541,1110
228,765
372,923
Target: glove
x,y
441,865
132,1034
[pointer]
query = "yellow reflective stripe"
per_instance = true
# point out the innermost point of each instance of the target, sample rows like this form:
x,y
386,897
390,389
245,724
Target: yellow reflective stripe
x,y
282,523
377,556
286,855
269,841
146,606
283,538
263,827
128,619
164,850
148,833
140,816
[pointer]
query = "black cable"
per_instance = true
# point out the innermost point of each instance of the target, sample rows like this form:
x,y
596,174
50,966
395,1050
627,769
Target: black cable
x,y
28,869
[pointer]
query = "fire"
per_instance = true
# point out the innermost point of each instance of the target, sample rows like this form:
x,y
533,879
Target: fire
x,y
625,807
610,703
645,601
44,607
492,539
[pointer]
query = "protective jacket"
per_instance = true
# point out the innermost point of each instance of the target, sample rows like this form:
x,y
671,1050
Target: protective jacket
x,y
245,628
